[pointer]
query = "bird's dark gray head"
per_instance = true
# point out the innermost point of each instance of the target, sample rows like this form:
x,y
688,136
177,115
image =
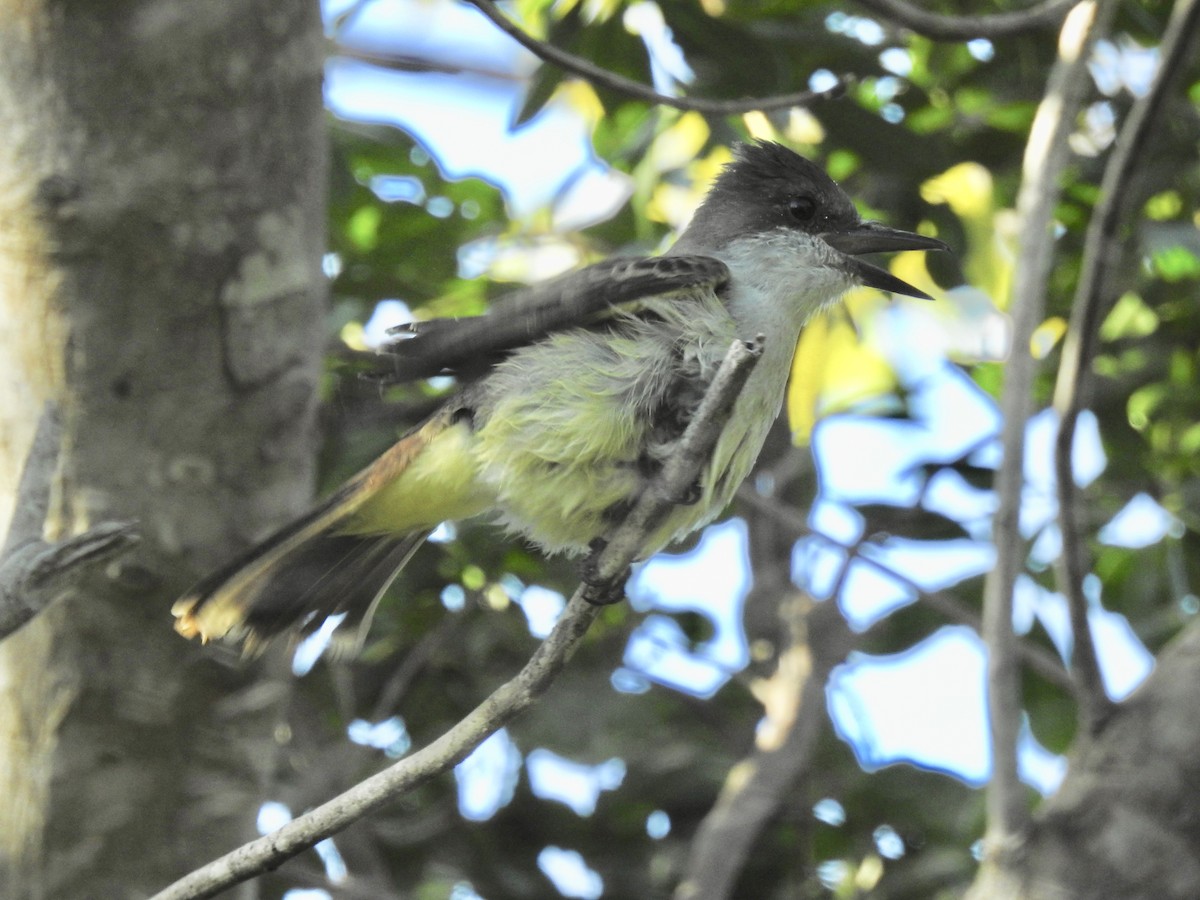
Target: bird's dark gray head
x,y
768,188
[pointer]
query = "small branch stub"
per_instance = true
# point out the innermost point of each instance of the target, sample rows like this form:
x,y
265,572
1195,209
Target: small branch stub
x,y
33,572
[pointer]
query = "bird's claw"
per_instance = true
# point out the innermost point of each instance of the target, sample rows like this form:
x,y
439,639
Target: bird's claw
x,y
600,591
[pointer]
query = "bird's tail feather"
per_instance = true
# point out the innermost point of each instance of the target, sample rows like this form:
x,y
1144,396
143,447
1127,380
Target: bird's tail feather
x,y
314,567
298,577
294,581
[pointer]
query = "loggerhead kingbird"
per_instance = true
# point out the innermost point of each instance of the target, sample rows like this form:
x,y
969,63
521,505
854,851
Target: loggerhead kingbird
x,y
573,394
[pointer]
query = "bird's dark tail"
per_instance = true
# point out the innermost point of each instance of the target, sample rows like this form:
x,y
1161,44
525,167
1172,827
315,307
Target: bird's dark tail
x,y
324,563
295,580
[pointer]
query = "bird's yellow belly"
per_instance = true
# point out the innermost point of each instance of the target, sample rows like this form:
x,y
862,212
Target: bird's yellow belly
x,y
440,483
566,434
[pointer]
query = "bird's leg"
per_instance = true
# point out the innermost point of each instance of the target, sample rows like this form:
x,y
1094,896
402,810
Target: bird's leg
x,y
601,591
692,495
649,468
647,510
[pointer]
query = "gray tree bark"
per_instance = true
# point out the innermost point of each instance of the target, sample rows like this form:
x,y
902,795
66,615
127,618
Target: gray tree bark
x,y
1126,821
162,187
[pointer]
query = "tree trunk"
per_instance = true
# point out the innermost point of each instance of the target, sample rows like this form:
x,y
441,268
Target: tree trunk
x,y
162,194
1126,821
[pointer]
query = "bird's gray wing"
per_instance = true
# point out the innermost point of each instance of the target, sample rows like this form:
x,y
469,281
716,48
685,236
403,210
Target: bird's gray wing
x,y
587,296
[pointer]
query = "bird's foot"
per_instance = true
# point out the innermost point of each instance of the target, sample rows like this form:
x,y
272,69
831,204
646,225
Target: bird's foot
x,y
600,591
692,495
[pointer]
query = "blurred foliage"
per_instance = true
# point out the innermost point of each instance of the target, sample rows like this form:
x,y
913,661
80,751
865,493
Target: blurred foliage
x,y
937,147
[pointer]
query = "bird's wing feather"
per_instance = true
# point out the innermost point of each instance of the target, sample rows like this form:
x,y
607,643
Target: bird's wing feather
x,y
470,345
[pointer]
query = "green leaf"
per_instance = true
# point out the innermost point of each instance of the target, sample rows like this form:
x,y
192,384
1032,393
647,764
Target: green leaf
x,y
1143,403
542,85
1130,317
1176,263
363,227
1165,205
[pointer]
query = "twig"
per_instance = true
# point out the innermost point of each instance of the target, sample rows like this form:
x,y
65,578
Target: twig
x,y
346,18
300,834
938,27
1038,658
415,660
514,696
33,572
1046,155
678,473
1093,296
401,62
596,75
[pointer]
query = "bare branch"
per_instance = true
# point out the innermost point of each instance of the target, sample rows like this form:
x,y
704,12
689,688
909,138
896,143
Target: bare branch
x,y
938,27
1093,297
1046,154
596,75
818,638
609,564
33,572
678,474
396,62
346,17
1038,658
511,698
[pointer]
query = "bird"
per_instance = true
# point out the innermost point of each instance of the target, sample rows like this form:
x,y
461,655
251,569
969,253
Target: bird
x,y
571,395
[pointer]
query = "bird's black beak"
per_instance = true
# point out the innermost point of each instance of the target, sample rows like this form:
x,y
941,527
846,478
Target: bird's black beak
x,y
873,237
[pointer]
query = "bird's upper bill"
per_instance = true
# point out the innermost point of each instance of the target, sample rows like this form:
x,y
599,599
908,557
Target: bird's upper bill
x,y
873,237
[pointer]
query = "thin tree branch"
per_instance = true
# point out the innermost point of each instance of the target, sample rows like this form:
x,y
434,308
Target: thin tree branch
x,y
1093,297
402,62
818,638
1038,658
415,660
346,18
1046,155
678,475
938,27
607,565
596,75
33,572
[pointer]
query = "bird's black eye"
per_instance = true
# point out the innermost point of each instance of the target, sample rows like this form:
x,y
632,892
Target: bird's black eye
x,y
802,208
